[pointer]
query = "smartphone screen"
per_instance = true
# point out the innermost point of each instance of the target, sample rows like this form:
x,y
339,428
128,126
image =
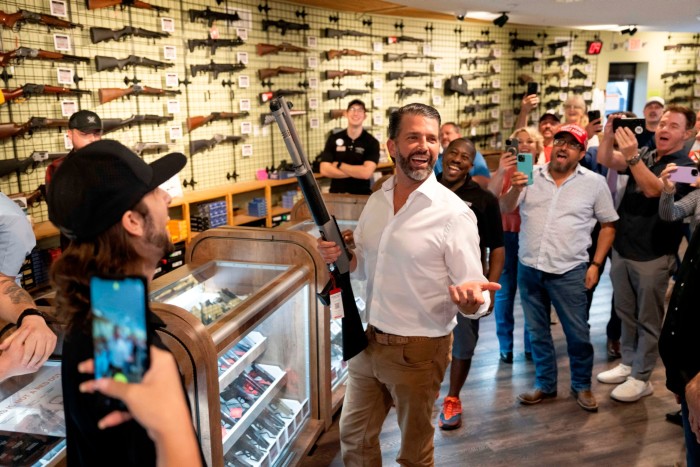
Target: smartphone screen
x,y
119,331
531,88
524,165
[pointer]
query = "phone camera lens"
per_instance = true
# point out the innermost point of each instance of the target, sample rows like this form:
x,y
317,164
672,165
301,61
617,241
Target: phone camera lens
x,y
694,172
521,158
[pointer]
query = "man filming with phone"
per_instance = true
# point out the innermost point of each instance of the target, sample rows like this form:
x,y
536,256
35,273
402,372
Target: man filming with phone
x,y
107,201
558,209
645,246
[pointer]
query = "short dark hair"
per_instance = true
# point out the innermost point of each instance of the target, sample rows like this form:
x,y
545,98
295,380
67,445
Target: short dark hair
x,y
470,146
452,124
410,109
357,102
681,109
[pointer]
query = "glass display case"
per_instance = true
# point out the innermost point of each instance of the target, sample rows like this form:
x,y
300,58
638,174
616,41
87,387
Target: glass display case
x,y
259,403
32,423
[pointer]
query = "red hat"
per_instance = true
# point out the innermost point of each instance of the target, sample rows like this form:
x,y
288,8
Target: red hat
x,y
575,131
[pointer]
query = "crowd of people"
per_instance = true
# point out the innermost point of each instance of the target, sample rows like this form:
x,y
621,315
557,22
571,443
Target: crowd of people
x,y
464,241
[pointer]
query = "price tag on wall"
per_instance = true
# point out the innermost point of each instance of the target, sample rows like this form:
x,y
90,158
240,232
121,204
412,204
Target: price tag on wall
x,y
312,42
243,81
313,103
314,123
377,102
242,57
170,52
313,83
246,150
171,80
244,105
242,33
58,8
61,42
167,25
312,62
65,75
175,132
437,100
246,128
68,108
173,106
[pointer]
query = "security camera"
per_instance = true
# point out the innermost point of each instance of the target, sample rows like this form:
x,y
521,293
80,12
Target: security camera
x,y
461,15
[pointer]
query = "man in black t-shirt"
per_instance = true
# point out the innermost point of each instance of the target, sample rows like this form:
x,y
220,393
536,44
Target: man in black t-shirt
x,y
457,161
645,246
350,156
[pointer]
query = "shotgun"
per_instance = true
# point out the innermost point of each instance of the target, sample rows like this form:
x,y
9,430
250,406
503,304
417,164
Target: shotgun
x,y
103,63
22,53
332,74
195,122
268,49
30,90
16,20
110,94
11,130
265,73
97,4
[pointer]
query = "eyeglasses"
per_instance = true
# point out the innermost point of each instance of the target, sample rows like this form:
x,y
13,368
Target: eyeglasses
x,y
572,107
356,109
570,144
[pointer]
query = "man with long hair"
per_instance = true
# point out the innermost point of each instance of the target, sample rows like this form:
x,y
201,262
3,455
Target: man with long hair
x,y
107,201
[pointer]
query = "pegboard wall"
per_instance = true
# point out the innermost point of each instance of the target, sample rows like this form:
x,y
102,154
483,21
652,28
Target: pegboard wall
x,y
386,61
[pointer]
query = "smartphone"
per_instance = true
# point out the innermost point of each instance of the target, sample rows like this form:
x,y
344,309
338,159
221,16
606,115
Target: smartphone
x,y
637,125
512,146
524,165
119,332
684,175
593,115
532,88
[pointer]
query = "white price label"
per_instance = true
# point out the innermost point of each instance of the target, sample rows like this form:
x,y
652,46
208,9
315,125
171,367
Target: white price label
x,y
246,150
68,108
243,81
175,132
61,42
170,52
378,83
313,103
167,25
65,75
313,83
377,65
173,106
244,105
314,123
246,128
312,41
437,100
377,102
242,57
171,80
312,62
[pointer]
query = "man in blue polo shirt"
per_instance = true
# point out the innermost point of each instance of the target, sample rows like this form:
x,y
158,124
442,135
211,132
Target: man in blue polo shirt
x,y
558,212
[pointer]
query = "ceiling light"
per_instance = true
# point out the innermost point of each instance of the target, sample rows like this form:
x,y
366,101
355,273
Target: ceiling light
x,y
501,20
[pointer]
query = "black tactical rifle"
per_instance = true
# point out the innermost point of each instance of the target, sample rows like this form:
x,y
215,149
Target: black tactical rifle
x,y
103,63
216,68
284,26
213,44
516,44
98,35
334,33
209,16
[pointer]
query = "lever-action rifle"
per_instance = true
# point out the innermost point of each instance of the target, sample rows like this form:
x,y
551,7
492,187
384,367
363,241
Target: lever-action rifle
x,y
284,26
213,44
110,94
216,68
30,90
334,33
195,122
268,49
23,53
354,339
10,130
340,93
98,35
103,63
332,74
97,4
8,166
209,16
206,144
16,20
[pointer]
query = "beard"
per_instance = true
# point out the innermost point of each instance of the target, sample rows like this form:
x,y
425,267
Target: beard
x,y
158,238
418,175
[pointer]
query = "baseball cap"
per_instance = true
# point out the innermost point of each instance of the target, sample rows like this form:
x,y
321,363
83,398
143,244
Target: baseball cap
x,y
656,99
85,121
551,115
97,184
576,131
357,102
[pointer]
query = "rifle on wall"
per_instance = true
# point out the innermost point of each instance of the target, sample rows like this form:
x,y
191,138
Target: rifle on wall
x,y
98,35
97,4
22,53
265,73
195,122
269,49
209,16
30,90
114,124
284,26
216,68
207,144
354,338
110,94
333,54
8,166
336,33
16,20
103,63
340,93
332,74
11,130
269,95
213,44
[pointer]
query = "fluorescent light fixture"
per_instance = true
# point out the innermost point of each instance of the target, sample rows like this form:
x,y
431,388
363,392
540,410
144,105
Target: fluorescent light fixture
x,y
599,27
481,15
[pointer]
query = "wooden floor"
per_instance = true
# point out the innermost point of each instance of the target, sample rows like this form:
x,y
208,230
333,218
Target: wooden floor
x,y
497,430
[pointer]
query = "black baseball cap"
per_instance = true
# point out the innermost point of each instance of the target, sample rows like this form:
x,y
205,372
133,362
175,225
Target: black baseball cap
x,y
357,102
547,115
85,121
97,184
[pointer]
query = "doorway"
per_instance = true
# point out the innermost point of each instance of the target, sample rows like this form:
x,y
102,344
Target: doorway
x,y
620,87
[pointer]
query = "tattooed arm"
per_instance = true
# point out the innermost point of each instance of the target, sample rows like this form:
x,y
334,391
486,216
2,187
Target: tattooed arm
x,y
29,347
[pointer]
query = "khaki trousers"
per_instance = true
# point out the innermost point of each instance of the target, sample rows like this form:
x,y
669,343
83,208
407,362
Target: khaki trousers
x,y
407,371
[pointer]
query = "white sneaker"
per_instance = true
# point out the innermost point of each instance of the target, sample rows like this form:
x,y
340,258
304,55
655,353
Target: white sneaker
x,y
632,390
615,376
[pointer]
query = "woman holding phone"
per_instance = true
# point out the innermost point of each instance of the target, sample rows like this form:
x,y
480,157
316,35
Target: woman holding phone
x,y
687,206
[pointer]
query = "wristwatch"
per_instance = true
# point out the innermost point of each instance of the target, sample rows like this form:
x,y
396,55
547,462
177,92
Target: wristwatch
x,y
635,160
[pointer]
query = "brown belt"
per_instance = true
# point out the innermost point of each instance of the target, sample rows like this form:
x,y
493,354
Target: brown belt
x,y
384,338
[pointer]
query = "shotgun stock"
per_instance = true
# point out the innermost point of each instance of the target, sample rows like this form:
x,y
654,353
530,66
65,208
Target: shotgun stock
x,y
332,74
16,20
98,35
110,94
195,122
22,53
269,49
333,54
103,63
97,4
30,90
265,73
9,130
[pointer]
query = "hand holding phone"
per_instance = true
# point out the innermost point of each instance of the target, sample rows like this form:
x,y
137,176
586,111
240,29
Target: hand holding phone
x,y
119,332
636,125
524,165
684,175
532,88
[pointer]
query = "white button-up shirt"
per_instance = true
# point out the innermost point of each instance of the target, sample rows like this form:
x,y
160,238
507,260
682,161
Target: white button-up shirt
x,y
409,259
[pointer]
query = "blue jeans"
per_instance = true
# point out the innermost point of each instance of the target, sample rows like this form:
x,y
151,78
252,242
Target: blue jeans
x,y
505,297
568,294
692,448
